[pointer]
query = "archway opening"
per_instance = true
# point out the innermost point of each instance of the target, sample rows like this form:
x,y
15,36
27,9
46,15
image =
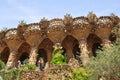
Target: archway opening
x,y
72,47
24,57
94,44
76,52
24,51
95,47
47,47
5,55
42,54
64,52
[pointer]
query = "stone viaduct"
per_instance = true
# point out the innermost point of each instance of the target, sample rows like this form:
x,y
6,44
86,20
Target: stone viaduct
x,y
79,36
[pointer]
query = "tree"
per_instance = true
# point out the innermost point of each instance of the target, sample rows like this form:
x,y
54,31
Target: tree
x,y
107,63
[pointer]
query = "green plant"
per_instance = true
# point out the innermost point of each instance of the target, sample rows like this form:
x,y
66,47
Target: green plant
x,y
14,73
31,67
118,74
2,65
23,68
26,61
80,74
22,22
2,74
57,57
107,63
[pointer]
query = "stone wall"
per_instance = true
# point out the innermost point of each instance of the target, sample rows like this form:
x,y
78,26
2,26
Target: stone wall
x,y
26,41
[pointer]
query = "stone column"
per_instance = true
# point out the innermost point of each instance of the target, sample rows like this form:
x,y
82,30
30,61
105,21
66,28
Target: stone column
x,y
69,53
13,57
68,45
33,55
90,51
84,51
49,55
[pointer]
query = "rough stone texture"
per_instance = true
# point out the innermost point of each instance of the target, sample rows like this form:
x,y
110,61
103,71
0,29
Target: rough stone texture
x,y
59,72
32,75
55,72
43,35
74,63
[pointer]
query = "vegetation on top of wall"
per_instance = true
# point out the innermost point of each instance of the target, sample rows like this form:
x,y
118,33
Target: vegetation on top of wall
x,y
22,22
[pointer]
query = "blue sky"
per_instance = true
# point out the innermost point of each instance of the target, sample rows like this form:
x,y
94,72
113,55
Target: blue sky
x,y
13,11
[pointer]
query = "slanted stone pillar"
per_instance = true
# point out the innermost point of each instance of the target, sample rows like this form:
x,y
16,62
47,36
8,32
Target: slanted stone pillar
x,y
49,50
13,57
68,45
90,47
90,51
33,55
84,51
49,58
69,53
49,55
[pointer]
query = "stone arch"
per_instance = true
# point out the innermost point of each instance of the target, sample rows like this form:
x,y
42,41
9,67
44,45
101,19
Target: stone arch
x,y
47,45
69,43
93,44
24,51
5,54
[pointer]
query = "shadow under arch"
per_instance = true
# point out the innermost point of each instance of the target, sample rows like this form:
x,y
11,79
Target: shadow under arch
x,y
71,46
24,51
95,47
94,44
42,54
46,47
23,57
64,51
5,55
76,52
